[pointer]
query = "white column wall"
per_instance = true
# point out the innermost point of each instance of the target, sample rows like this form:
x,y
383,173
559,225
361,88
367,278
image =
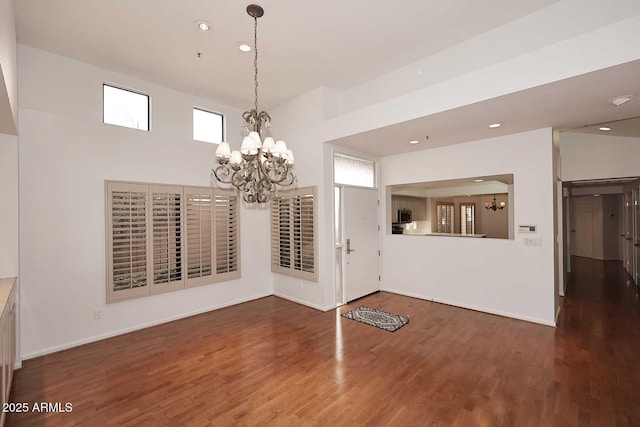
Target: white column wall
x,y
9,206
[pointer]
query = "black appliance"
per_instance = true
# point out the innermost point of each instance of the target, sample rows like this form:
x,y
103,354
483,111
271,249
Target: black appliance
x,y
404,216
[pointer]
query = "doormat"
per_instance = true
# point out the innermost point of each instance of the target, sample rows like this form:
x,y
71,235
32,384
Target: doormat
x,y
380,319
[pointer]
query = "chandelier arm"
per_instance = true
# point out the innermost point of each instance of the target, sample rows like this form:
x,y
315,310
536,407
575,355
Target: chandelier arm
x,y
283,172
224,170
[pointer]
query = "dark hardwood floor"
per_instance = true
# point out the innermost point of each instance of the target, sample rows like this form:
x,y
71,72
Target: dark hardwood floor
x,y
273,362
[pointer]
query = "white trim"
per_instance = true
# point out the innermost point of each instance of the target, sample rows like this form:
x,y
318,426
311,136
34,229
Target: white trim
x,y
83,341
471,307
302,302
557,314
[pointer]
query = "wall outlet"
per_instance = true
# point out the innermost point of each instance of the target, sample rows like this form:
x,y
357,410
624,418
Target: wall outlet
x,y
97,314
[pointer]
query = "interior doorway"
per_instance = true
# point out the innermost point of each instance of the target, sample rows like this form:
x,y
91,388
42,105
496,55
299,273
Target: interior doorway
x,y
603,222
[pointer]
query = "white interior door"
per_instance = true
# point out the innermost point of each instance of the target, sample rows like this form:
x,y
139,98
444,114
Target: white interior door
x,y
581,227
361,242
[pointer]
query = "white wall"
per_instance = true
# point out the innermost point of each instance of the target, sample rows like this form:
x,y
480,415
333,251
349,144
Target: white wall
x,y
66,153
9,205
492,275
8,70
298,122
588,156
564,21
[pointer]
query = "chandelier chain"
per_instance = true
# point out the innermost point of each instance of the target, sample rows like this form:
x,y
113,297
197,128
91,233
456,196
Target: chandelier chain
x,y
255,58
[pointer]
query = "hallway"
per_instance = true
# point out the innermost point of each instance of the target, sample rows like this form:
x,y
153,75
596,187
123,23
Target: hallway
x,y
598,345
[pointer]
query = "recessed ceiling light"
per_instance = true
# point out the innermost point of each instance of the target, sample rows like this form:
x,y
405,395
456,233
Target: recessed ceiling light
x,y
478,180
245,47
203,25
495,125
619,100
604,129
596,195
413,142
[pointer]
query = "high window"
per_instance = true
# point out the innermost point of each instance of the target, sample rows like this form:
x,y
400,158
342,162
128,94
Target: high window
x,y
349,170
124,107
207,126
293,233
162,238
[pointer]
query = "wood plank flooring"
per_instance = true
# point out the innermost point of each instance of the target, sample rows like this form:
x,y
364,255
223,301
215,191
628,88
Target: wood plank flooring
x,y
274,362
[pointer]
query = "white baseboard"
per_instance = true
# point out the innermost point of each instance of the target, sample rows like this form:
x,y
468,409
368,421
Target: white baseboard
x,y
302,302
95,338
471,307
558,313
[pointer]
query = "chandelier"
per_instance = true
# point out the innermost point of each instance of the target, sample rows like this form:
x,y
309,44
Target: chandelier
x,y
493,205
261,165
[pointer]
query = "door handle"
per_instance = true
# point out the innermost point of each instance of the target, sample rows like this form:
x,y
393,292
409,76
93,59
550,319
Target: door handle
x,y
349,250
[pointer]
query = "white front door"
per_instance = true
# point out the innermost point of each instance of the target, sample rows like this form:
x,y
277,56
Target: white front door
x,y
361,242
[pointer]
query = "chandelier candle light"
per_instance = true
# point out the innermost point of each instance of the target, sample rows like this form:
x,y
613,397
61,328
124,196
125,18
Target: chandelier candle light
x,y
493,205
261,165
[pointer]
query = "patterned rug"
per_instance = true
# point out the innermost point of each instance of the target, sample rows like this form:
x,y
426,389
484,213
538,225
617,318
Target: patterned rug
x,y
380,319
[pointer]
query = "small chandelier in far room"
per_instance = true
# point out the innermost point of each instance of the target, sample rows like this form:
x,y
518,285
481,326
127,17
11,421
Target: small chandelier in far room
x,y
495,206
262,164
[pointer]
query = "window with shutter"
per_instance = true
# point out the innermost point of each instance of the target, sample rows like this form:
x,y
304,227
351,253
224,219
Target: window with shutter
x,y
445,217
199,208
293,233
227,235
281,231
468,218
127,241
161,238
166,204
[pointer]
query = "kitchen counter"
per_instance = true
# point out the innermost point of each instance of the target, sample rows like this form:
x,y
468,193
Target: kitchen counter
x,y
429,233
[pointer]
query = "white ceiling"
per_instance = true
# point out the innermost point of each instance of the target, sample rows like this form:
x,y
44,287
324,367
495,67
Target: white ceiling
x,y
562,105
627,127
302,45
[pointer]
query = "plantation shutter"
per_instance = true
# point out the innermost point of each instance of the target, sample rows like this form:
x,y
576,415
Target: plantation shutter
x,y
304,233
467,219
166,203
163,238
199,235
127,241
281,231
227,235
293,233
445,217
